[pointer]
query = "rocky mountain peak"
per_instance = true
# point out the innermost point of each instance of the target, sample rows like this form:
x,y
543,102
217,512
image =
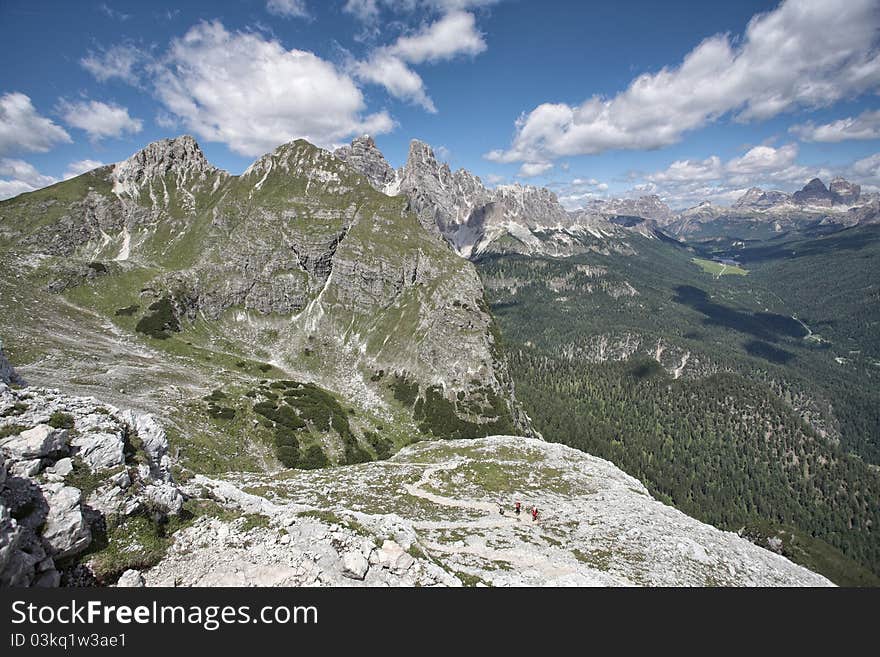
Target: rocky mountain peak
x,y
181,156
363,156
845,191
758,199
647,207
814,193
752,196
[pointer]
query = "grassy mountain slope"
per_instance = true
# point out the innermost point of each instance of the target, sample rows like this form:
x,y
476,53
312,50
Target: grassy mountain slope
x,y
169,285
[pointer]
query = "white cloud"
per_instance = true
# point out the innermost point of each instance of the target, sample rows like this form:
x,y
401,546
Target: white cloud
x,y
589,182
79,167
18,176
868,167
763,159
287,8
686,170
364,10
397,78
532,169
251,93
23,129
120,61
864,126
805,53
453,35
687,182
99,120
494,179
369,10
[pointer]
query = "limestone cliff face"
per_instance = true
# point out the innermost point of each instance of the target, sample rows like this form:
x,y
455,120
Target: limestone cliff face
x,y
472,218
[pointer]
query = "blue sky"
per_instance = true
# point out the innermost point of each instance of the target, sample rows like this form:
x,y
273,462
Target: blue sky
x,y
688,100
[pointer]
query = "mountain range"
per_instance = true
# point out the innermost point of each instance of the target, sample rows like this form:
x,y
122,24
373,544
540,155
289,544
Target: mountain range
x,y
323,309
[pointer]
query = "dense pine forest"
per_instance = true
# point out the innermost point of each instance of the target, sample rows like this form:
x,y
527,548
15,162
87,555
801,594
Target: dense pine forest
x,y
751,402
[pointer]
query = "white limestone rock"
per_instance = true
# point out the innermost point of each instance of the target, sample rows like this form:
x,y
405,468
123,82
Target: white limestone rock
x,y
65,530
36,443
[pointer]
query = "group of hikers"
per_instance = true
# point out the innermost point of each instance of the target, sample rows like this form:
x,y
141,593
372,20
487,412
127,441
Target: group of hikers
x,y
517,509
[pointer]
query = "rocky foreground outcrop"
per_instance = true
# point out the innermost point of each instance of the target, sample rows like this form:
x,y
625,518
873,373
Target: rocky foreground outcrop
x,y
431,516
68,467
87,497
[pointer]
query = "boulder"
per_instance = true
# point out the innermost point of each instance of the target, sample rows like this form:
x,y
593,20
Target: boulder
x,y
65,530
393,557
355,565
100,450
61,469
36,443
164,497
131,579
28,468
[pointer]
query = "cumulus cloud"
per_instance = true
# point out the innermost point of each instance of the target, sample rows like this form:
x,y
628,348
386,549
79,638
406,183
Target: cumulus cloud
x,y
251,93
18,176
867,172
864,126
79,167
453,35
288,8
23,129
589,182
121,61
805,53
99,120
532,169
690,181
397,78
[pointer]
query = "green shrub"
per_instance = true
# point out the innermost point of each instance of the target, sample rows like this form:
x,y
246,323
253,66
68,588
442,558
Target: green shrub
x,y
221,412
289,456
216,396
314,458
11,430
404,391
380,444
61,420
83,478
161,321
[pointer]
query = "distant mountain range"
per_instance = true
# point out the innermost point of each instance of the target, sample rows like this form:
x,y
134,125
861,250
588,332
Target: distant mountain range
x,y
477,220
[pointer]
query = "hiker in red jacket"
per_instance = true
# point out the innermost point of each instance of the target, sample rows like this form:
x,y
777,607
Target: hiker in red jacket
x,y
534,513
517,507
